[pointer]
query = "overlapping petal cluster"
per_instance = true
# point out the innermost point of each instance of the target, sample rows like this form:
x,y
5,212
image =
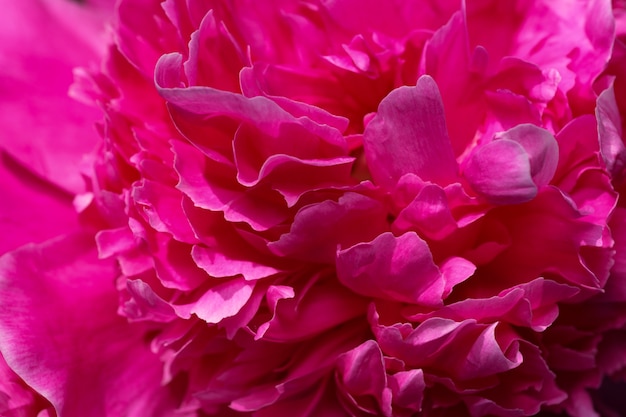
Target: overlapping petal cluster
x,y
337,208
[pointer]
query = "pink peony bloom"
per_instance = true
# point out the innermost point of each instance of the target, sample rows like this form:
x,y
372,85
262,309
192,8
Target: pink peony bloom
x,y
313,208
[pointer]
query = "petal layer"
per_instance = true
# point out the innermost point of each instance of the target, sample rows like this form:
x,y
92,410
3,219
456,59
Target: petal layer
x,y
67,300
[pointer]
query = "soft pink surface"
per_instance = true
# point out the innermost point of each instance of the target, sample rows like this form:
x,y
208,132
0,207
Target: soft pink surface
x,y
316,208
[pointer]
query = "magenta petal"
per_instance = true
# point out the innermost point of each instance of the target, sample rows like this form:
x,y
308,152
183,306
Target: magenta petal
x,y
145,304
221,263
511,168
198,103
203,68
18,399
500,172
486,356
161,206
409,136
137,21
192,166
249,78
429,212
41,125
325,305
446,57
67,300
219,302
208,184
362,370
407,388
319,229
115,241
610,133
393,268
455,270
26,202
541,147
532,305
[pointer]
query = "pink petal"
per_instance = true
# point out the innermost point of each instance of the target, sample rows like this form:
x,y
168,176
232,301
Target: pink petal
x,y
310,364
580,173
224,262
362,370
533,305
433,211
34,35
526,79
197,103
212,40
209,185
54,288
18,399
533,252
324,306
447,58
322,402
501,170
145,304
175,267
218,302
427,342
455,270
293,91
192,167
486,357
393,268
541,147
610,133
407,389
161,206
506,110
319,229
27,203
292,168
429,212
138,21
408,136
115,241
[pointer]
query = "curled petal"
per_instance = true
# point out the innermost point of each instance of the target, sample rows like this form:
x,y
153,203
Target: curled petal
x,y
500,171
511,168
408,136
531,305
541,148
218,302
393,268
222,262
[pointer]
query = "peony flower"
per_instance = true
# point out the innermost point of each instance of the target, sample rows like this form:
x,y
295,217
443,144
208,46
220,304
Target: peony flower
x,y
313,208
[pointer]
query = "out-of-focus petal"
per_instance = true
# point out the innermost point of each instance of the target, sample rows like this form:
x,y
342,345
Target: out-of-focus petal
x,y
26,201
42,127
64,296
